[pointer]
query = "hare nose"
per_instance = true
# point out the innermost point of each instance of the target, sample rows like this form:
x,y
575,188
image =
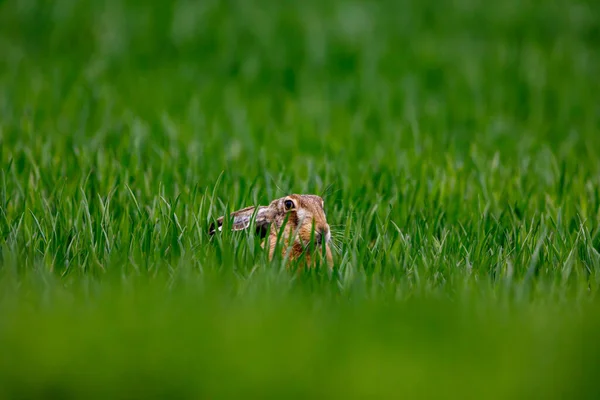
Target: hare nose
x,y
322,234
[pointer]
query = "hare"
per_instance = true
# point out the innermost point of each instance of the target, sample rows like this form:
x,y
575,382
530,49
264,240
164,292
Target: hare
x,y
289,219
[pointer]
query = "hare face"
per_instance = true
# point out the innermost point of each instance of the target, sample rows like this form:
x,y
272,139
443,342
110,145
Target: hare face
x,y
304,213
294,219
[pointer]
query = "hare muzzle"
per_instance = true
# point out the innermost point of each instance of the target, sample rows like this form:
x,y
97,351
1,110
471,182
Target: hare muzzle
x,y
322,235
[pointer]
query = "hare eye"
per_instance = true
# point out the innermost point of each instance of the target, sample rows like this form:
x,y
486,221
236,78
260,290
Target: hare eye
x,y
288,204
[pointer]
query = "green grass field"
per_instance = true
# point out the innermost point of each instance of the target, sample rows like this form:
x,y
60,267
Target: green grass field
x,y
456,144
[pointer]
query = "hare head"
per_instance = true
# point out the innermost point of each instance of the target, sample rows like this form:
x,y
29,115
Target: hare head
x,y
296,220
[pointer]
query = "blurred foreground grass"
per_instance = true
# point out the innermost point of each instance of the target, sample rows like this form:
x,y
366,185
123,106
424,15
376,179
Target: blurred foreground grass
x,y
456,144
144,341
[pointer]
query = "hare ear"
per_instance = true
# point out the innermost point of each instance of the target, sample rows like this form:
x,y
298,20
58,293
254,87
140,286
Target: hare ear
x,y
242,219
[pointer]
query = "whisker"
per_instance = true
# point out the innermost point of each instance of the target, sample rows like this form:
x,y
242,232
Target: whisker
x,y
324,192
339,234
334,246
276,185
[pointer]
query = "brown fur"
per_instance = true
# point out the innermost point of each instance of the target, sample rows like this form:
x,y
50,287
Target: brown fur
x,y
297,232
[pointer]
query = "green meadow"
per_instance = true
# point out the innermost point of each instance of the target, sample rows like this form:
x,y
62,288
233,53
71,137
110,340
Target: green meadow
x,y
456,145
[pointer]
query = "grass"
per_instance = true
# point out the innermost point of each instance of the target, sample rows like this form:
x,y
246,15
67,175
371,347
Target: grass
x,y
455,143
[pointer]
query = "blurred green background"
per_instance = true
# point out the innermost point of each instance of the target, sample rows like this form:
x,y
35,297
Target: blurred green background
x,y
455,144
